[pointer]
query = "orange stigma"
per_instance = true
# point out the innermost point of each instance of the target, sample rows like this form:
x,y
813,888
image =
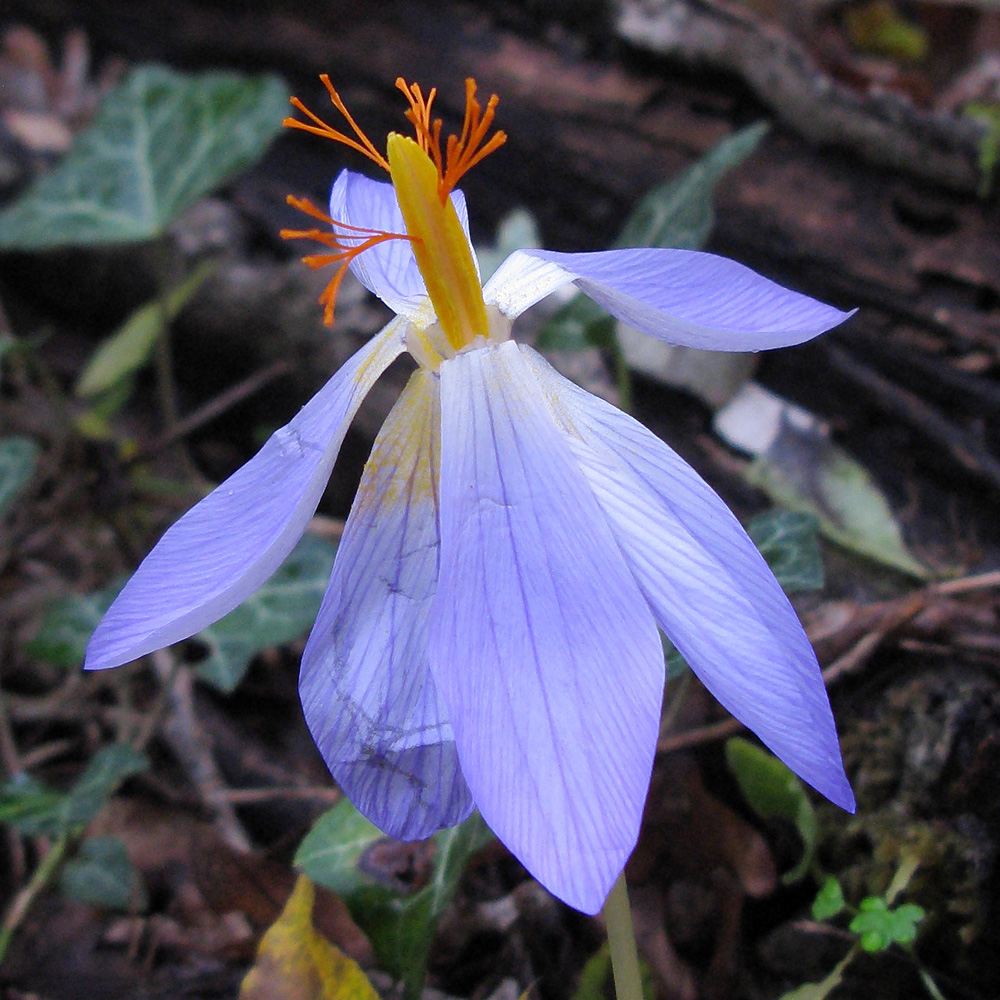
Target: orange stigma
x,y
362,143
460,154
347,242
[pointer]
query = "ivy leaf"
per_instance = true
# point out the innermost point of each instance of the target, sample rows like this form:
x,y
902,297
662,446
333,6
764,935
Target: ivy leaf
x,y
101,874
280,611
518,230
18,459
68,625
34,809
400,927
676,665
25,801
160,141
677,214
789,541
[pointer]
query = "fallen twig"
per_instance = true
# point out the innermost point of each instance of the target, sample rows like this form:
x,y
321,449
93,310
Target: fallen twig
x,y
896,614
214,408
187,739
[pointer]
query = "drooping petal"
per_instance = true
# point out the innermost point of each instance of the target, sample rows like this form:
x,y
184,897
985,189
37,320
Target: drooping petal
x,y
228,544
389,269
367,692
683,296
710,589
544,651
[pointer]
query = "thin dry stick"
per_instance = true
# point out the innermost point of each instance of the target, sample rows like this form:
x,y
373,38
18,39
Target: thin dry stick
x,y
898,614
46,752
214,408
857,655
183,731
966,584
246,796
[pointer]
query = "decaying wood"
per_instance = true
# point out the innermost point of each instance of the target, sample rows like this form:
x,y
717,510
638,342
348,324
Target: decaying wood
x,y
587,139
888,130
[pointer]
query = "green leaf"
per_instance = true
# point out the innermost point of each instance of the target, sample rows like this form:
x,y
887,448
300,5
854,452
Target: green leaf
x,y
68,625
517,231
34,809
789,541
101,874
94,422
822,989
280,611
131,346
25,801
881,927
878,28
160,141
18,459
987,114
675,663
829,900
579,324
806,472
109,767
400,927
597,976
772,790
677,214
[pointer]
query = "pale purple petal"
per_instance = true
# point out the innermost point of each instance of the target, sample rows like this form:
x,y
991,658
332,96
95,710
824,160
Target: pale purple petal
x,y
683,296
544,651
227,545
710,589
389,270
367,692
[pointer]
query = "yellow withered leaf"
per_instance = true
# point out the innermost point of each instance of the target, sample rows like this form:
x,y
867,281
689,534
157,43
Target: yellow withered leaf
x,y
294,962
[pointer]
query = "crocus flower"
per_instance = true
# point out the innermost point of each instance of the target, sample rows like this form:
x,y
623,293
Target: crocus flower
x,y
489,635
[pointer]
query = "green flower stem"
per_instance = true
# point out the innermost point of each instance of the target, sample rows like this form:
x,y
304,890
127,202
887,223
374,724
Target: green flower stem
x,y
623,377
44,874
165,382
621,941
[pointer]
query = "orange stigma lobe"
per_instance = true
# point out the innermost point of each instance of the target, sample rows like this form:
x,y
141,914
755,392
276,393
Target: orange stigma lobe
x,y
362,143
430,225
345,240
462,152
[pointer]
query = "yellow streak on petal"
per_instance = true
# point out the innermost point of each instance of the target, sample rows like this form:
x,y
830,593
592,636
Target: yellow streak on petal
x,y
403,468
